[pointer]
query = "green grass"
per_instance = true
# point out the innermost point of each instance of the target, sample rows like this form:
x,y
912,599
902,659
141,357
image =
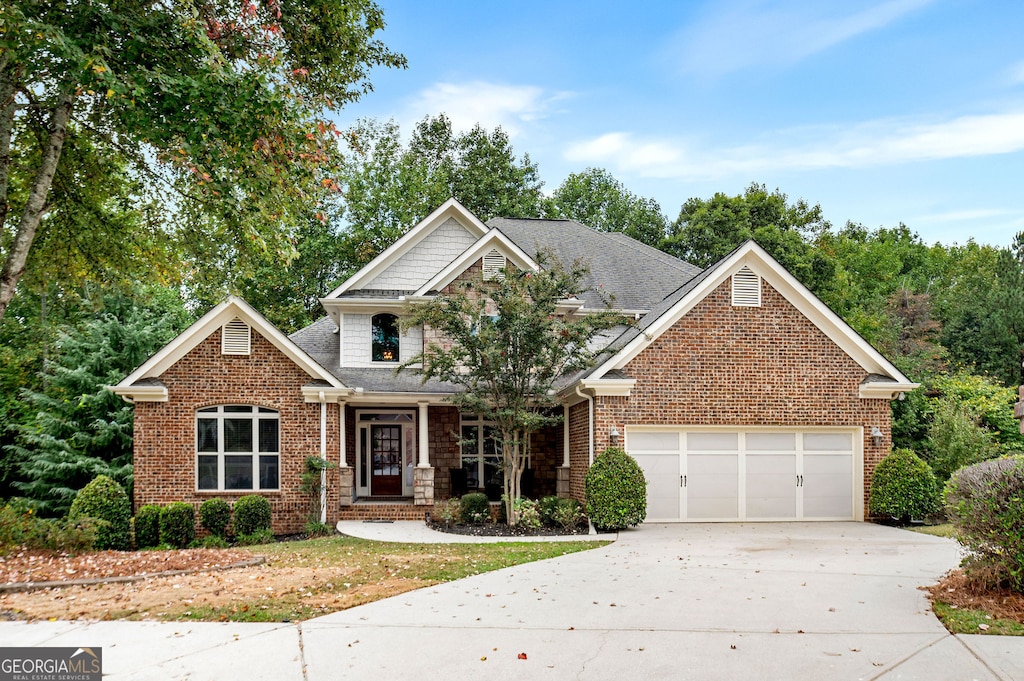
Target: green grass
x,y
961,621
318,576
943,530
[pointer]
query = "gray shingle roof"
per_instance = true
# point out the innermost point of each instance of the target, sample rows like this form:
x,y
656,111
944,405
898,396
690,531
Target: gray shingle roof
x,y
636,275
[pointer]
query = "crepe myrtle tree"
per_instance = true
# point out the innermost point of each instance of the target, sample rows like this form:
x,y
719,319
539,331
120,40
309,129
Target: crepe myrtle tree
x,y
506,343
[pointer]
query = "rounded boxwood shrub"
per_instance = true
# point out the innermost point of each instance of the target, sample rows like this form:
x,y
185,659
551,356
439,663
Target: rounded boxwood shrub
x,y
474,508
215,514
105,500
252,514
985,503
903,487
177,524
147,526
616,491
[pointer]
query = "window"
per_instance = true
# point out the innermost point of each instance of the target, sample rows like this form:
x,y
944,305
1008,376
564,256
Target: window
x,y
238,448
481,457
384,332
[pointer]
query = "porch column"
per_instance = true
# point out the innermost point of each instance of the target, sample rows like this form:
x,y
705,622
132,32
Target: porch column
x,y
423,474
346,474
562,472
424,458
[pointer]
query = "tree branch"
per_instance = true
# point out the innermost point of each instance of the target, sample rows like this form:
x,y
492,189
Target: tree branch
x,y
8,106
17,256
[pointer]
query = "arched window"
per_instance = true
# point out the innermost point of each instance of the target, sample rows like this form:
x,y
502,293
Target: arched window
x,y
384,338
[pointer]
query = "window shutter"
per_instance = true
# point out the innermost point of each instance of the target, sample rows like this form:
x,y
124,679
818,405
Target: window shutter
x,y
494,263
746,288
235,338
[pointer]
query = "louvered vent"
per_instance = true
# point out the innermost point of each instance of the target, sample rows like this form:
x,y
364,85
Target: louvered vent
x,y
235,338
746,288
494,263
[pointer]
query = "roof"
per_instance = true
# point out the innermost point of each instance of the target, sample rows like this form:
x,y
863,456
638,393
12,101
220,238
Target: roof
x,y
614,260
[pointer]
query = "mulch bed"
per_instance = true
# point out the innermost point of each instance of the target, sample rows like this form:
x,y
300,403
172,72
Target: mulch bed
x,y
960,589
503,530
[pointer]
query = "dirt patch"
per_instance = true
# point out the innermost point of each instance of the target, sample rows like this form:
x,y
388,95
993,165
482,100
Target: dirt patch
x,y
964,591
48,566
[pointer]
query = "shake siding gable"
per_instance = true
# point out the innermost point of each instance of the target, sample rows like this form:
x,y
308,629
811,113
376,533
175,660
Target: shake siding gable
x,y
722,365
165,432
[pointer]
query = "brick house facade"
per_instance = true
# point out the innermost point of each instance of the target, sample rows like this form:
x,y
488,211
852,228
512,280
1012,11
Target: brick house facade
x,y
740,355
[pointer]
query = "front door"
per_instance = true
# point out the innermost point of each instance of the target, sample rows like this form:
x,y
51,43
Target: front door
x,y
386,460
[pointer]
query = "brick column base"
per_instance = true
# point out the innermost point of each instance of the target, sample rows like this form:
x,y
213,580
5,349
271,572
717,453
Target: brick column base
x,y
346,489
423,486
562,482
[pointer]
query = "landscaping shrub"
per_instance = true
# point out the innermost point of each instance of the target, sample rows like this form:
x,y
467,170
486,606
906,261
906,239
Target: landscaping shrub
x,y
264,536
616,491
177,524
215,514
568,512
526,513
252,514
20,527
547,506
449,511
211,541
315,528
903,487
105,500
474,508
985,503
147,526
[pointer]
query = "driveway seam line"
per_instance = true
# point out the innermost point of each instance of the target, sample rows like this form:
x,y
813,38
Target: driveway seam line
x,y
979,659
906,659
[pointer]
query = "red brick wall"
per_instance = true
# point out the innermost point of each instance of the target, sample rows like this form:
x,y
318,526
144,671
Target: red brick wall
x,y
579,449
736,366
165,432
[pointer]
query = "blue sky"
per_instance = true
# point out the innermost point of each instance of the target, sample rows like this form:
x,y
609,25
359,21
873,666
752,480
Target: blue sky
x,y
882,111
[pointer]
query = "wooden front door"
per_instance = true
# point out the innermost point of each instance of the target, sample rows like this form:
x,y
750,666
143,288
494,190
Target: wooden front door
x,y
385,460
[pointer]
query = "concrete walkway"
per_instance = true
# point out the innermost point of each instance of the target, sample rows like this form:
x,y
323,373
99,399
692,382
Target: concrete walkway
x,y
744,602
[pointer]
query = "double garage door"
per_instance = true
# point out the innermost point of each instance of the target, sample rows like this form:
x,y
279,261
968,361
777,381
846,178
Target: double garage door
x,y
747,474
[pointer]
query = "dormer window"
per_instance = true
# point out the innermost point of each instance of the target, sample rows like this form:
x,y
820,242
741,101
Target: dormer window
x,y
384,342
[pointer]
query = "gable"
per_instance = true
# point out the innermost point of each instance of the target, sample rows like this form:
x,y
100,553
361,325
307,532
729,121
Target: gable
x,y
419,254
233,325
768,272
424,259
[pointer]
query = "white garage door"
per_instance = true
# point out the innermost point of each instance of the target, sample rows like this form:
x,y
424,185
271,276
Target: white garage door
x,y
756,474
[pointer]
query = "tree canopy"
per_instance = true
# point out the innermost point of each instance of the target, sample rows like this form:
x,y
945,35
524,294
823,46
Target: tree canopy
x,y
596,199
212,116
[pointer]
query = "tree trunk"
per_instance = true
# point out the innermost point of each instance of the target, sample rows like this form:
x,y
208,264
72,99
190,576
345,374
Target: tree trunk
x,y
17,256
8,76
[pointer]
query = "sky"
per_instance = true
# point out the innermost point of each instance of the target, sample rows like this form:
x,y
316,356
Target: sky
x,y
881,111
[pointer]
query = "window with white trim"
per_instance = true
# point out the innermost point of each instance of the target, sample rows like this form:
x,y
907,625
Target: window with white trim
x,y
481,457
746,288
238,447
384,341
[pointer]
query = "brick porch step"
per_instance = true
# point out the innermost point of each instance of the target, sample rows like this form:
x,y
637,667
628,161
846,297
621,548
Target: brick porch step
x,y
383,510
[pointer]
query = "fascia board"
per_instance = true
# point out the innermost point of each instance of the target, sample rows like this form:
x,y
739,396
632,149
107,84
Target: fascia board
x,y
752,255
323,394
448,209
472,254
608,387
363,304
884,390
140,393
233,307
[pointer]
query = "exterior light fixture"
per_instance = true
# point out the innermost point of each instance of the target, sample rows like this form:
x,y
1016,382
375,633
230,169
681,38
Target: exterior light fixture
x,y
877,436
613,435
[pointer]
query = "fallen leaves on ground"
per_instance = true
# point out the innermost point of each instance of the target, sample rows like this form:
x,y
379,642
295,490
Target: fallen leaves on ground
x,y
959,589
50,566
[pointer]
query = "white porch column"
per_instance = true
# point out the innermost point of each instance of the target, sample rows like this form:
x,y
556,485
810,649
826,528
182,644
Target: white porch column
x,y
565,435
343,446
424,442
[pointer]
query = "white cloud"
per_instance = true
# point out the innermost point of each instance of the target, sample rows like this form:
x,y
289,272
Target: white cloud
x,y
737,36
876,143
513,107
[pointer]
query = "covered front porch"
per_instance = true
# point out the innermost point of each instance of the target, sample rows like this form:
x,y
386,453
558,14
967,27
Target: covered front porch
x,y
396,460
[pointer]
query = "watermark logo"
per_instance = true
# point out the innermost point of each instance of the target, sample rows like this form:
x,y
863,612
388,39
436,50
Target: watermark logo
x,y
51,664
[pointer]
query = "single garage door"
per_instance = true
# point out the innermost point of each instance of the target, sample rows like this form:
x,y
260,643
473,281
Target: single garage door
x,y
747,474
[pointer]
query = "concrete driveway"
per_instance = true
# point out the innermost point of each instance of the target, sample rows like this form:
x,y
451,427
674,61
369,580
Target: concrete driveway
x,y
709,601
745,602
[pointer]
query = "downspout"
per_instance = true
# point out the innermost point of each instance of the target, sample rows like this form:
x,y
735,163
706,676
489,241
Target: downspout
x,y
590,435
323,455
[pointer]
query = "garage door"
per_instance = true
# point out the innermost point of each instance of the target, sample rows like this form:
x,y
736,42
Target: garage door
x,y
755,474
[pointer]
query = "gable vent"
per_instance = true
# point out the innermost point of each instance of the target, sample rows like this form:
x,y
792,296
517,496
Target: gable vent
x,y
746,288
494,263
235,338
